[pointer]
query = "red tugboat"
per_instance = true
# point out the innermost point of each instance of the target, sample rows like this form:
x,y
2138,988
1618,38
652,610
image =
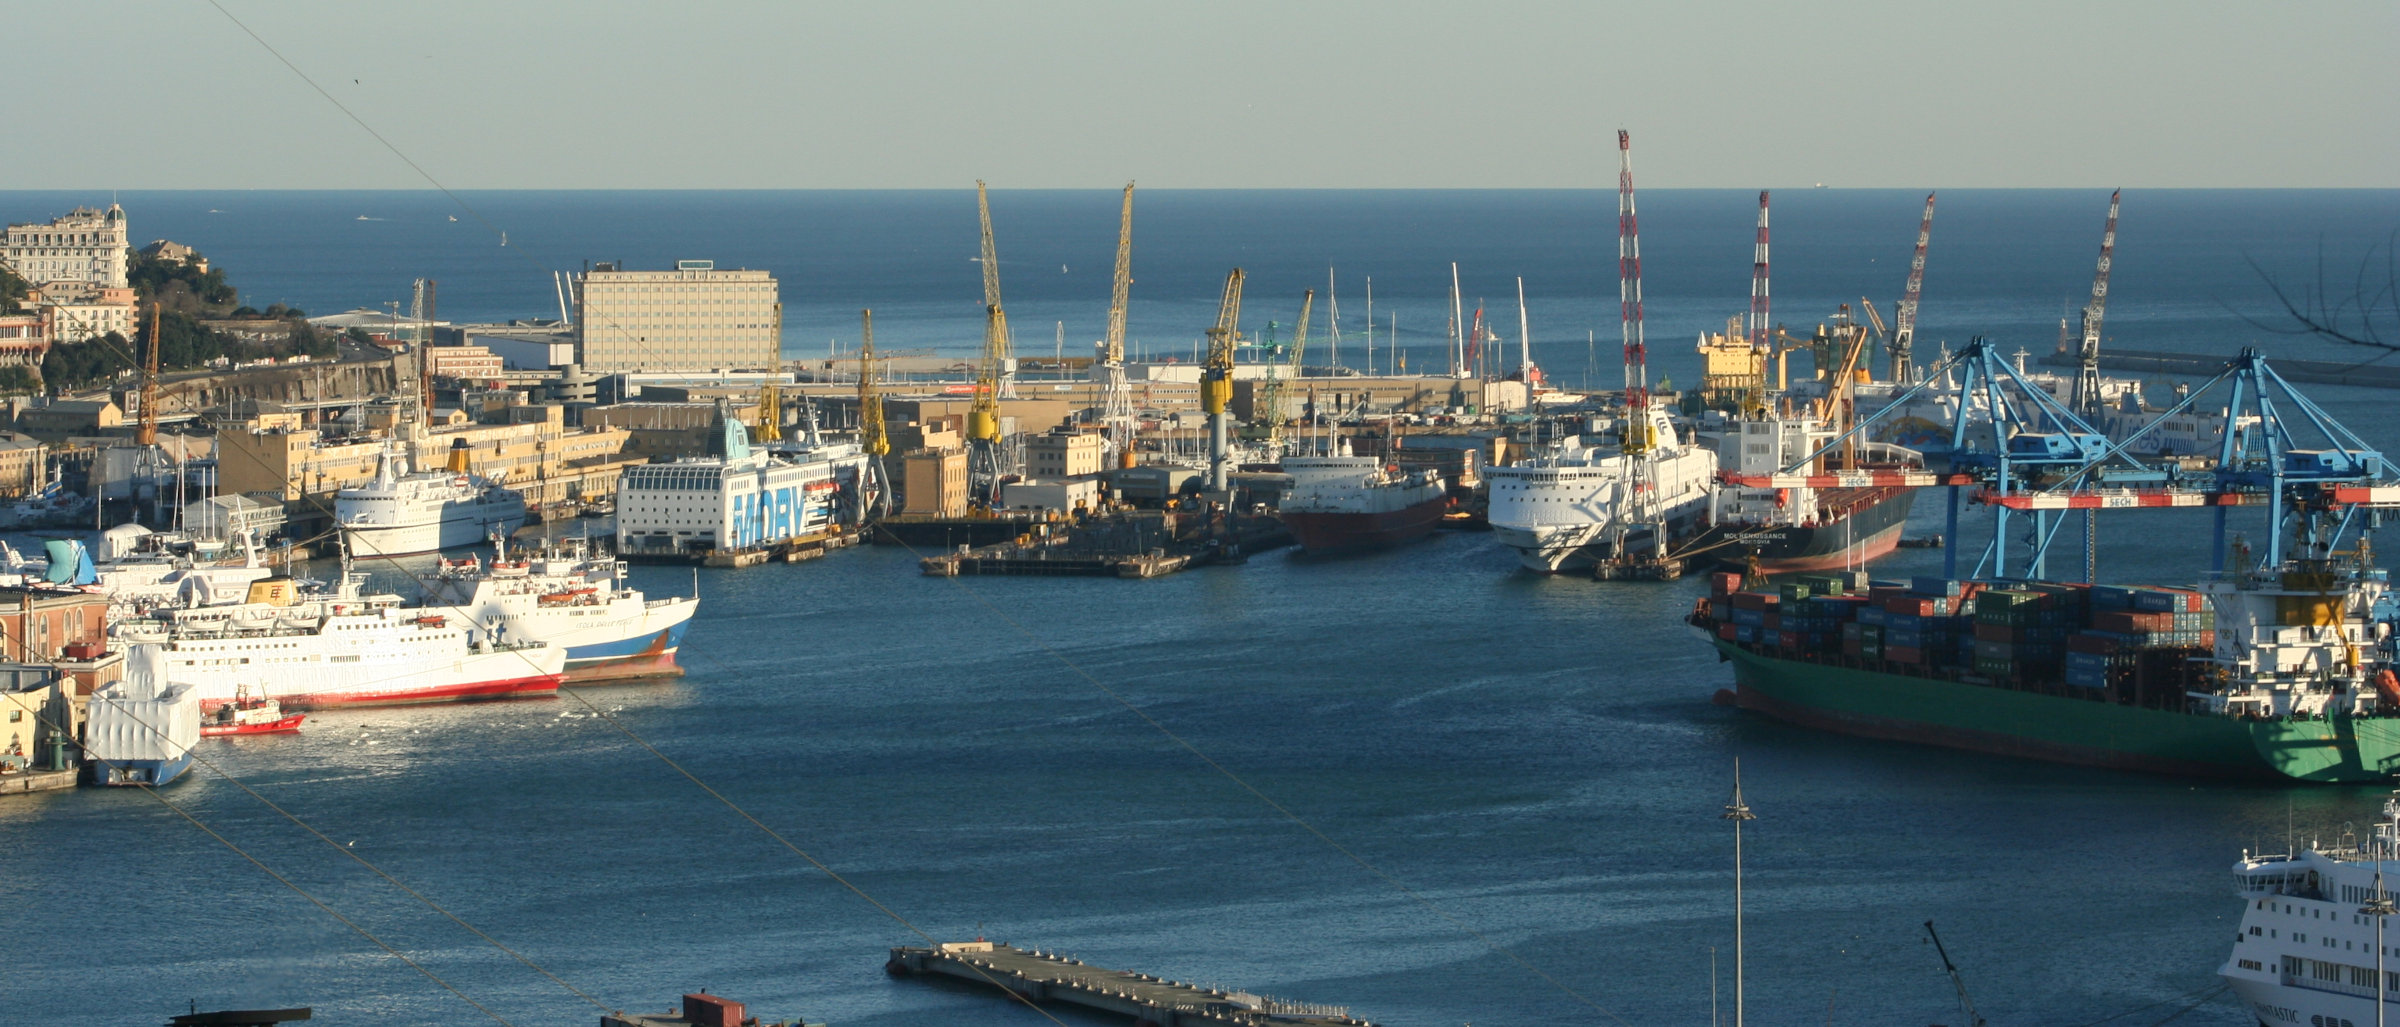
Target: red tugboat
x,y
249,715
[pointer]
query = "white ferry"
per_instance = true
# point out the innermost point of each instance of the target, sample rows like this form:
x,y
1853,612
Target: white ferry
x,y
343,649
2309,951
1561,510
572,598
737,497
400,513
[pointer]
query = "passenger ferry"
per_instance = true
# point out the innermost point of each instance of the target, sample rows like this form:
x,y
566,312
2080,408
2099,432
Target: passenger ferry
x,y
568,596
1565,509
342,649
2310,950
399,513
738,497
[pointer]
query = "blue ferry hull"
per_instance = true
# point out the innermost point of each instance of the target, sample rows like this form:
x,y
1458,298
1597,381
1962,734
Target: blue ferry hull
x,y
135,773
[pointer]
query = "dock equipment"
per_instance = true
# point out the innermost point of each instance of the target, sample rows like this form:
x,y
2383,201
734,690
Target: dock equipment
x,y
995,376
2086,397
1151,1001
1116,409
1216,381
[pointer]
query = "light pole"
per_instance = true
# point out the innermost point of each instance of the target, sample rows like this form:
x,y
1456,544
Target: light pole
x,y
1738,811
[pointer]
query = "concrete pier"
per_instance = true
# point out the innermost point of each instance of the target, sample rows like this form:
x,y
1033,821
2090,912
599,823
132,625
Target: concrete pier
x,y
1150,1001
21,782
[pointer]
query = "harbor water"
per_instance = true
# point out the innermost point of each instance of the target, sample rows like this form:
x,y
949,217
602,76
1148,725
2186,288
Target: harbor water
x,y
1526,764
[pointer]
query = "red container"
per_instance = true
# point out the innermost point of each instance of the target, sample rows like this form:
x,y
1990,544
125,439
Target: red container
x,y
2081,643
1788,639
1774,622
1726,584
706,1010
2208,638
1904,654
1725,631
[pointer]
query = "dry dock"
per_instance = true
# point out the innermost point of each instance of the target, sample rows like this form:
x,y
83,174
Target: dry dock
x,y
1142,544
1150,1001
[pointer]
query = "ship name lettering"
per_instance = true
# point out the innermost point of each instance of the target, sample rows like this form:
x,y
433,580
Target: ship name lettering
x,y
2267,1012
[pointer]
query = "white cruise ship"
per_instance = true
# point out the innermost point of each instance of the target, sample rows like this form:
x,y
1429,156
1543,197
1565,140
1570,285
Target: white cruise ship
x,y
344,649
400,513
2305,952
572,598
737,497
1561,510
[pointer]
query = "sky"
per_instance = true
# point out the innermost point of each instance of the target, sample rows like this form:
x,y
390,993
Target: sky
x,y
601,94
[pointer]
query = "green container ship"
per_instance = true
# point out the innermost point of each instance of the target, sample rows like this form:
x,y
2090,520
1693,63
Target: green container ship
x,y
2276,676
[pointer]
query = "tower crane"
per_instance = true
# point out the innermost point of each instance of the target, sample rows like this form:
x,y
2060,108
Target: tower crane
x,y
871,436
1007,373
2086,398
1216,379
147,433
1116,410
770,414
1266,410
993,377
1904,327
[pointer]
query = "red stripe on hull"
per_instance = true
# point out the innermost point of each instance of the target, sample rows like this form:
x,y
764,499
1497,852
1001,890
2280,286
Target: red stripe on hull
x,y
1876,546
1893,730
509,688
1323,532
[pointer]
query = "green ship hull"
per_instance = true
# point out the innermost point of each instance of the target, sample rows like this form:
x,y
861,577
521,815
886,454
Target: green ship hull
x,y
2064,729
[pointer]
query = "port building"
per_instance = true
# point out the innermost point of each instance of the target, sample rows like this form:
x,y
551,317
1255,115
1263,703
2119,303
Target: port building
x,y
693,318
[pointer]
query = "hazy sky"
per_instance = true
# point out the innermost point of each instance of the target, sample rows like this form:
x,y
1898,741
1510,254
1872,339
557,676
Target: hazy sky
x,y
581,94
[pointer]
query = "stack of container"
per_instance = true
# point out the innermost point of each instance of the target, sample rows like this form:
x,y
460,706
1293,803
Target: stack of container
x,y
2019,635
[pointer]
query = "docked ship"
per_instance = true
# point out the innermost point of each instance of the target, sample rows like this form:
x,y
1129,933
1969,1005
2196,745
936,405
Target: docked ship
x,y
741,497
1352,503
2282,675
571,597
1573,505
1784,530
141,729
339,649
134,581
402,513
2305,949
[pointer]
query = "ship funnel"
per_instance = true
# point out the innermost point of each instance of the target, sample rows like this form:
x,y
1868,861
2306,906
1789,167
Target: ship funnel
x,y
458,456
276,591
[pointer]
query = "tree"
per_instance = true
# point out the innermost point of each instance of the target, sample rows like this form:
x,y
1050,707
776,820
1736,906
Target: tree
x,y
13,292
2360,319
18,379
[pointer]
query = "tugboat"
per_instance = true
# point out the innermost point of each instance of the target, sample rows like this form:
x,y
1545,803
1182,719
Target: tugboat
x,y
250,715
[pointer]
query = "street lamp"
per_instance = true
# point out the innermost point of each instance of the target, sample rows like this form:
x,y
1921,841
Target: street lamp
x,y
1738,811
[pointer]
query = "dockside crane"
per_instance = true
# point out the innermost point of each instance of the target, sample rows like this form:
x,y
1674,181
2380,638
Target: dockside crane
x,y
770,414
1904,325
1267,408
993,377
2086,398
871,435
1216,381
147,434
1760,321
1640,440
1116,410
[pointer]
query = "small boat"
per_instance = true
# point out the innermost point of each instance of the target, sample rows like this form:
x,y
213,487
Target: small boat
x,y
249,716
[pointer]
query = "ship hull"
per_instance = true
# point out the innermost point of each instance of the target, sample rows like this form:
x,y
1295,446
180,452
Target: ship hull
x,y
1870,531
461,528
139,773
649,653
1572,548
2060,728
1331,532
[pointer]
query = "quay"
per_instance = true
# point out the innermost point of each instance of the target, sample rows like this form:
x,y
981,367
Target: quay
x,y
1151,1001
25,782
791,550
1142,544
2310,372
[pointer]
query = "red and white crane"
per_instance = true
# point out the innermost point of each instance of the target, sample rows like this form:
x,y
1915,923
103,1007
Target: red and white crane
x,y
1760,323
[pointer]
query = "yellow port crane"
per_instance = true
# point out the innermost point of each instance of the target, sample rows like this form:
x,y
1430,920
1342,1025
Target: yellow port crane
x,y
770,414
1266,407
871,436
1216,379
991,377
1116,410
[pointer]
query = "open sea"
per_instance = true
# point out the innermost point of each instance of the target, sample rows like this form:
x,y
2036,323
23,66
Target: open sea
x,y
1536,760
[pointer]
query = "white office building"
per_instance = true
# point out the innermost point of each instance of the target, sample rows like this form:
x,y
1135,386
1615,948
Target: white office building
x,y
86,246
694,318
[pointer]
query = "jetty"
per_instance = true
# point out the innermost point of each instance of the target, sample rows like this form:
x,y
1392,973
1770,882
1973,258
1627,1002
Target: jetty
x,y
1151,1001
1137,544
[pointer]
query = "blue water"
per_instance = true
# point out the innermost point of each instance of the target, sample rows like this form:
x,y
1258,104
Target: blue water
x,y
1535,757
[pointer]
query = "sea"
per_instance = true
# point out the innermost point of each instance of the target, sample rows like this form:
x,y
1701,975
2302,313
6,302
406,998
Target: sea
x,y
1422,784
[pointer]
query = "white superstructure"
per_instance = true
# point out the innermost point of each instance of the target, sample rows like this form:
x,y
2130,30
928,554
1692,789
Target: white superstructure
x,y
739,497
340,649
86,246
400,513
2307,951
570,597
1560,510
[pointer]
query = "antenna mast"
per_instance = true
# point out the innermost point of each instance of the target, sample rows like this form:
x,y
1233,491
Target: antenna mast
x,y
2086,399
1116,410
1904,330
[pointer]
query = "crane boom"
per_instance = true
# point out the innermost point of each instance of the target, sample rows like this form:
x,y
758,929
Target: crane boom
x,y
2086,398
147,433
1904,322
1268,409
1216,379
1638,436
1000,349
871,435
1116,409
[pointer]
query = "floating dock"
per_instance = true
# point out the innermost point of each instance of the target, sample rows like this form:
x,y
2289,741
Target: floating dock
x,y
1150,1001
1144,544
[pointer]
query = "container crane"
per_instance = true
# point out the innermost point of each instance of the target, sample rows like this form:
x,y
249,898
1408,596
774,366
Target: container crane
x,y
1116,411
2086,398
871,435
1216,380
1904,323
1267,405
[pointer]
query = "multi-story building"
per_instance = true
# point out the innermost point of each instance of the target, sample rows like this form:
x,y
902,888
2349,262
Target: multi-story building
x,y
81,310
690,319
86,245
1065,454
474,363
24,339
544,459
